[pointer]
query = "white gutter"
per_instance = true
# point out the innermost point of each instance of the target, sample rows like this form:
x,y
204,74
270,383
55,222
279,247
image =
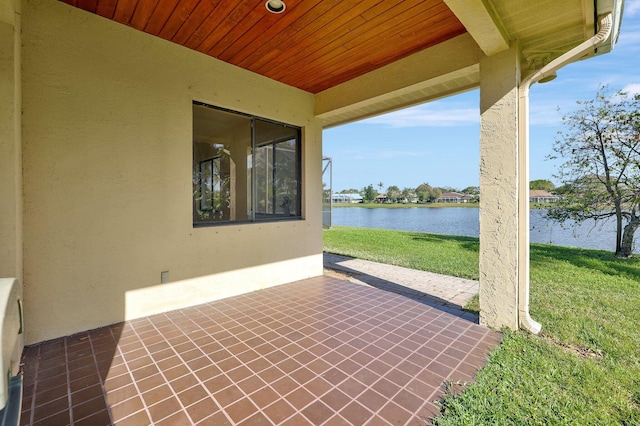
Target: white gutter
x,y
601,36
616,7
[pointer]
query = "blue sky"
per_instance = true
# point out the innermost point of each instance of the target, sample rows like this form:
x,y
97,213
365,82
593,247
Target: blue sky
x,y
438,142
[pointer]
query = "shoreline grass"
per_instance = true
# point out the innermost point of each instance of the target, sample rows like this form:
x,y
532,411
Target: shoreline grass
x,y
532,206
456,255
583,369
404,206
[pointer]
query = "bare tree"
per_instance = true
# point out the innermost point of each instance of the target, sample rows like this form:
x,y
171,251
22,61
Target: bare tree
x,y
601,170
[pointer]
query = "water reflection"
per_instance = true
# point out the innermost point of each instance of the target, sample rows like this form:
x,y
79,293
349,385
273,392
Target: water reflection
x,y
466,222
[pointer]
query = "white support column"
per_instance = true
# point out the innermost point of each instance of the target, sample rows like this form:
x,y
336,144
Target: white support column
x,y
500,221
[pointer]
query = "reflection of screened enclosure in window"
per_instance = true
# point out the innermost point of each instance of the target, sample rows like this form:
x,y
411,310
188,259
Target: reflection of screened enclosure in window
x,y
210,185
244,168
276,171
327,190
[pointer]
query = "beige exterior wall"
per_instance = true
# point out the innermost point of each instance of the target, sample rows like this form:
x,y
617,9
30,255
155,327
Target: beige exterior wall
x,y
11,259
107,176
10,142
499,185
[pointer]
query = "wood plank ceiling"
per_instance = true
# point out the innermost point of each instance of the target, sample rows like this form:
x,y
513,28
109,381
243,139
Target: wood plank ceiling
x,y
313,45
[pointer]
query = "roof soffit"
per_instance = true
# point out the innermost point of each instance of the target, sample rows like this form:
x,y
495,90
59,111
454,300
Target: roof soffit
x,y
313,45
362,57
545,29
448,68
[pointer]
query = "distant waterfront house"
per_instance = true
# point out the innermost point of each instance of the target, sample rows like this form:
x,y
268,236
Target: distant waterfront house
x,y
382,198
346,198
408,200
454,197
541,196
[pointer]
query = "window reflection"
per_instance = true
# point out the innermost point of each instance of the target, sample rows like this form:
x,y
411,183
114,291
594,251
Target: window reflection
x,y
240,162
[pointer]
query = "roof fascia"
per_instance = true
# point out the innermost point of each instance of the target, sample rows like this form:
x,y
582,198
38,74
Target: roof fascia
x,y
483,23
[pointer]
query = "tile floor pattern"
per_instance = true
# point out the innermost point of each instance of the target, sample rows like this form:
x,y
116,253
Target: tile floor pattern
x,y
316,352
447,292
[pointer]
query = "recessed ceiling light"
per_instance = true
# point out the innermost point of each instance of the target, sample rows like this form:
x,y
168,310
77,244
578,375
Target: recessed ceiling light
x,y
275,6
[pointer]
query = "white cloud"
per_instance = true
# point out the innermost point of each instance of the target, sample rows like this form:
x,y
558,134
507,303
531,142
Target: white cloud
x,y
628,39
432,115
388,155
400,154
632,89
548,104
544,115
632,7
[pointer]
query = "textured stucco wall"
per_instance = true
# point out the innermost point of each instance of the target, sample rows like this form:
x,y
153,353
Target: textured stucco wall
x,y
499,75
10,142
107,176
11,258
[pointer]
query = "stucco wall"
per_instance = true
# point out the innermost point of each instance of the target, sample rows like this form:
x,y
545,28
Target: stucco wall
x,y
107,134
10,144
499,180
11,153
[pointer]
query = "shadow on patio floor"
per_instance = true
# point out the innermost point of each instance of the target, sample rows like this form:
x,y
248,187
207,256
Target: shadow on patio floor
x,y
443,292
313,352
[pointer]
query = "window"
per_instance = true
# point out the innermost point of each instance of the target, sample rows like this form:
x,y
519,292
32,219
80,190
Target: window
x,y
245,169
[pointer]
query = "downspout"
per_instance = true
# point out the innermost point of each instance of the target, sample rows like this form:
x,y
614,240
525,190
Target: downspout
x,y
524,319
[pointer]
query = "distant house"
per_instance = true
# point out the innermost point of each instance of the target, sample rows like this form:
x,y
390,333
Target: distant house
x,y
454,197
382,198
541,196
408,200
346,198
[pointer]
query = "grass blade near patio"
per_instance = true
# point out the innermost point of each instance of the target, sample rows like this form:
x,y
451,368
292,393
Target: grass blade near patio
x,y
584,368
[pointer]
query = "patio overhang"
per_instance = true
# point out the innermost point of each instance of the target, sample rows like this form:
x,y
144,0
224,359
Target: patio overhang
x,y
366,58
316,65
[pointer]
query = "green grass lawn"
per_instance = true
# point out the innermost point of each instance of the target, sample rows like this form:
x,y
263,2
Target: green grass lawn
x,y
584,368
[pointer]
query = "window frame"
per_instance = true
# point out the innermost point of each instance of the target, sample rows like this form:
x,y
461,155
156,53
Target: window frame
x,y
273,217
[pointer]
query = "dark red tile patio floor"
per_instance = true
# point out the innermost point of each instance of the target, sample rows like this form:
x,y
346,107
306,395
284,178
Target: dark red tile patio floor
x,y
316,352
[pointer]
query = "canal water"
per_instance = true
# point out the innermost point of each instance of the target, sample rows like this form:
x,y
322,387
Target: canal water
x,y
465,222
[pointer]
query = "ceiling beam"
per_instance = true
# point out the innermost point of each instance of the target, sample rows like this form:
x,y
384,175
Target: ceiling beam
x,y
482,22
448,68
